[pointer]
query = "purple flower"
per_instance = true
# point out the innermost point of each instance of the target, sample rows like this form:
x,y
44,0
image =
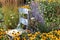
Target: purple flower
x,y
35,12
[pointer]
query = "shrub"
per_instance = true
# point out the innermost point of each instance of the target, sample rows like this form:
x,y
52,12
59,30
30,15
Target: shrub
x,y
51,15
10,16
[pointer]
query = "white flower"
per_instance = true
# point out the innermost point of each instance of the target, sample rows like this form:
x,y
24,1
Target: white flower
x,y
32,18
8,20
9,23
12,17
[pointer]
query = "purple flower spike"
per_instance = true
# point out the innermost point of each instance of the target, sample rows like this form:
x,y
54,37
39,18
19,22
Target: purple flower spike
x,y
35,12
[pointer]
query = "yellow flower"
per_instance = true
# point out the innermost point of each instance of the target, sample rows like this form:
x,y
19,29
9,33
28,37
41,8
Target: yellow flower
x,y
24,38
36,33
49,1
58,32
25,6
53,0
1,29
18,33
1,36
34,37
27,30
47,35
55,31
13,34
29,34
43,39
17,38
51,36
31,38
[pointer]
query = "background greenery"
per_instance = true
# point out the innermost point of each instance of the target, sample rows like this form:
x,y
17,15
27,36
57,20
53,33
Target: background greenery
x,y
51,15
10,17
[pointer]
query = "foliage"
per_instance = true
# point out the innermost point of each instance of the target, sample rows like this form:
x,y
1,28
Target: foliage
x,y
10,16
51,15
52,21
1,16
52,35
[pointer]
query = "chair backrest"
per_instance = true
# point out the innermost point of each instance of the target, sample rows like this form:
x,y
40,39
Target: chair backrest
x,y
23,20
